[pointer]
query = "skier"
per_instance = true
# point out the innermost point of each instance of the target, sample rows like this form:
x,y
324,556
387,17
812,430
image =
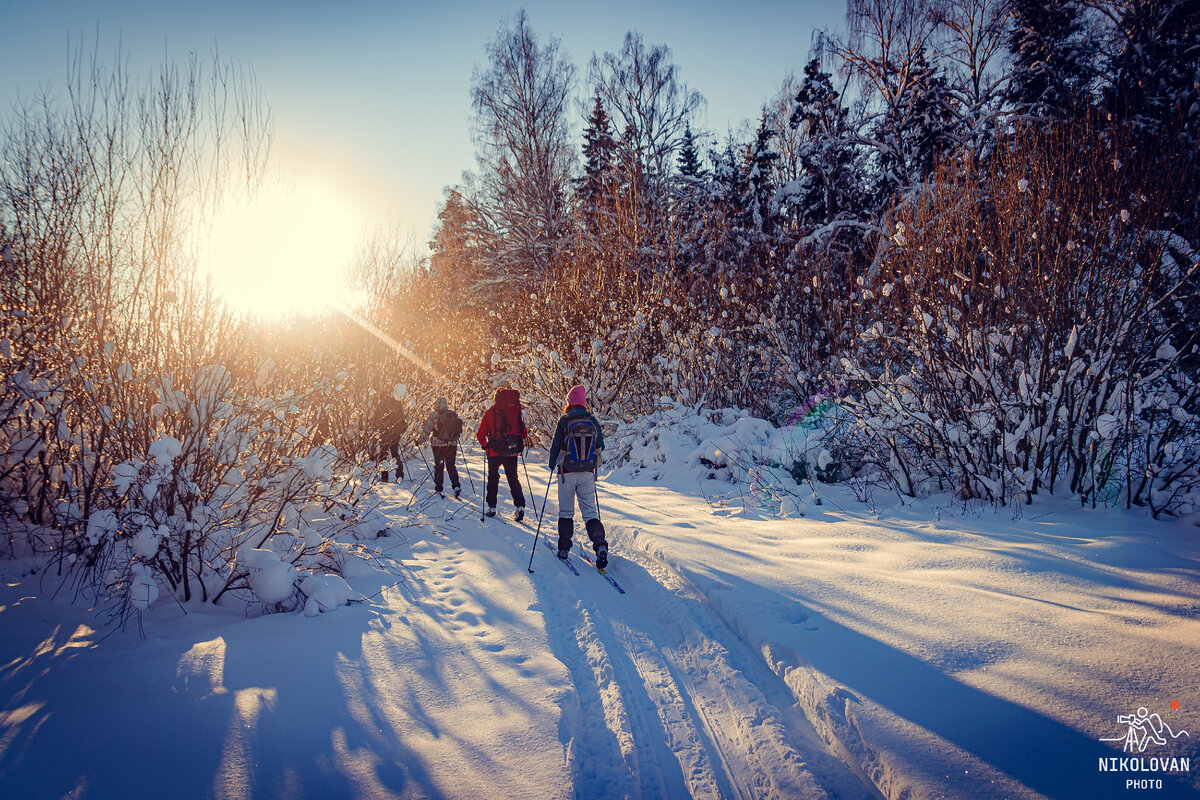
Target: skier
x,y
575,454
391,422
442,428
502,435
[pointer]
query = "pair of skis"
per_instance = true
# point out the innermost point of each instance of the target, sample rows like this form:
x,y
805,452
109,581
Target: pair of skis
x,y
571,566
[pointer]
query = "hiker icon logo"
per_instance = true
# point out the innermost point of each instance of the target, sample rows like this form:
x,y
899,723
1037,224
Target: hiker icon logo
x,y
1144,729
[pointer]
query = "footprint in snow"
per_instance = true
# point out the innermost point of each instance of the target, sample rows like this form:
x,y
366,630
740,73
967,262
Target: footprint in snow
x,y
793,614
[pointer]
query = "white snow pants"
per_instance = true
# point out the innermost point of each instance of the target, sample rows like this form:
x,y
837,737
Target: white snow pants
x,y
581,485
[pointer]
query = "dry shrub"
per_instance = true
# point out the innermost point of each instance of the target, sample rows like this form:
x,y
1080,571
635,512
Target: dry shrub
x,y
1029,328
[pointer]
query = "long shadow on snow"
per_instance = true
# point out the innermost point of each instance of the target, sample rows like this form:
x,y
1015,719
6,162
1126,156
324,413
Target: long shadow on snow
x,y
1038,751
92,736
596,749
309,760
1141,545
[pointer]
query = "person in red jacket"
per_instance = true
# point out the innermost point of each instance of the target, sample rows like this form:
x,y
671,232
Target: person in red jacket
x,y
502,435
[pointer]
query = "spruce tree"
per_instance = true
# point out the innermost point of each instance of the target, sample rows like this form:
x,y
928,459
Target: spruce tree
x,y
689,159
1156,67
688,203
718,242
921,127
598,149
1155,92
728,178
828,186
1051,75
757,197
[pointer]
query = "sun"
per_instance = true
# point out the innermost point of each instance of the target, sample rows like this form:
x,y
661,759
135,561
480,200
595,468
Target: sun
x,y
284,250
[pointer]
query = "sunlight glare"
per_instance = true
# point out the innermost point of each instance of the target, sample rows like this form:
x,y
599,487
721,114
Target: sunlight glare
x,y
284,250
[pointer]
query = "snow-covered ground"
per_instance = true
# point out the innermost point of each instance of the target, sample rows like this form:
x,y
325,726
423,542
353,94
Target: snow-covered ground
x,y
917,650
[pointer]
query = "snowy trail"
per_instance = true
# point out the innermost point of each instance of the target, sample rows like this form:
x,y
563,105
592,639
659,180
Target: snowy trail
x,y
884,635
756,743
846,654
688,710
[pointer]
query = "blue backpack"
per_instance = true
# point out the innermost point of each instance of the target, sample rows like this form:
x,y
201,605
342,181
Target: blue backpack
x,y
579,445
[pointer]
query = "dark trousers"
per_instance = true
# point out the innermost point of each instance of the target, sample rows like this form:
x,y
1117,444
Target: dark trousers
x,y
510,471
391,447
443,456
566,532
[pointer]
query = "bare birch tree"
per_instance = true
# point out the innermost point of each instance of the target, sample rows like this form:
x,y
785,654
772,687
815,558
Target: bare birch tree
x,y
650,106
523,145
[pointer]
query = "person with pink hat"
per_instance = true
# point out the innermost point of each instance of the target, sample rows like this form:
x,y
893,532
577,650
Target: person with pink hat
x,y
575,454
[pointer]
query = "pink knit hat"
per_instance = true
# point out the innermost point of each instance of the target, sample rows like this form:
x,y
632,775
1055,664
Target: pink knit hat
x,y
577,397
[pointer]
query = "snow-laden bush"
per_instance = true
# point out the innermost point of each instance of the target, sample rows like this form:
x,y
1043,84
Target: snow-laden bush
x,y
147,438
770,464
138,484
325,593
1031,332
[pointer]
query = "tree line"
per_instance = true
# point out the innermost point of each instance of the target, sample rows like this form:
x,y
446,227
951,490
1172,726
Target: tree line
x,y
976,218
966,231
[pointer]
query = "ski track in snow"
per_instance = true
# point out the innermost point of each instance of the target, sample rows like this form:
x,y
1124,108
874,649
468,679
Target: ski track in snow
x,y
751,657
688,708
923,730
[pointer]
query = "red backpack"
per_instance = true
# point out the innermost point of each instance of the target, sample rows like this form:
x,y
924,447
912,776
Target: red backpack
x,y
506,439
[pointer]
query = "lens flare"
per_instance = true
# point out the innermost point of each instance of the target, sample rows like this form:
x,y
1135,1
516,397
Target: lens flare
x,y
396,346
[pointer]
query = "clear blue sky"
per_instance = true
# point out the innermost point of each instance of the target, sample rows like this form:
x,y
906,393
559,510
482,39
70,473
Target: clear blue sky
x,y
378,92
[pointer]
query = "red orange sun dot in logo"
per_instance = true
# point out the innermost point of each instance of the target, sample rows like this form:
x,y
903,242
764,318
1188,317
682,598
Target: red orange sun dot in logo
x,y
1174,705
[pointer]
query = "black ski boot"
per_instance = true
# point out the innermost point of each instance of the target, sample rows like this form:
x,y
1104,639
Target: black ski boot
x,y
520,515
566,531
595,532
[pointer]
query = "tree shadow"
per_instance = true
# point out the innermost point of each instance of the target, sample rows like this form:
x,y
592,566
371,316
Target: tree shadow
x,y
111,719
1042,753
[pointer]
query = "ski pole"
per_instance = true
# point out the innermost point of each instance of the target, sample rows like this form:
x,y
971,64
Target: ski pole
x,y
428,470
467,469
421,451
482,499
474,491
596,487
528,482
539,525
